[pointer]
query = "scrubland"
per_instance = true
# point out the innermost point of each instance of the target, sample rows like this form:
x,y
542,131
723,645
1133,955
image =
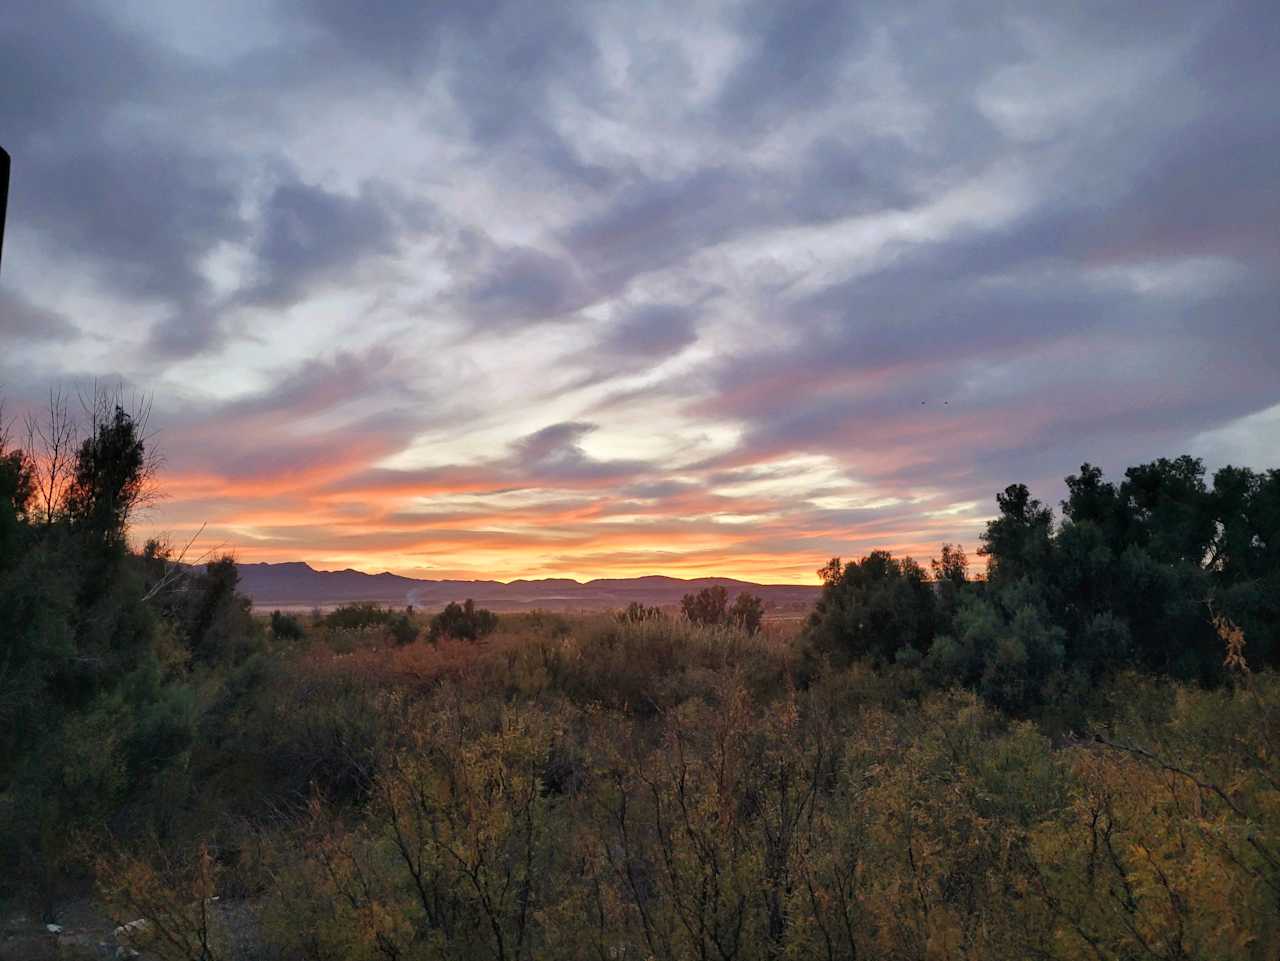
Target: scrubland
x,y
588,788
1072,757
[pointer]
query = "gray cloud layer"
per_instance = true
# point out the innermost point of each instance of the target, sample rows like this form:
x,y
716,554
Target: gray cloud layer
x,y
941,246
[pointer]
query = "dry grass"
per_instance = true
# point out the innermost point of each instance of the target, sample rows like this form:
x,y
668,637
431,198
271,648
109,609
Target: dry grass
x,y
588,658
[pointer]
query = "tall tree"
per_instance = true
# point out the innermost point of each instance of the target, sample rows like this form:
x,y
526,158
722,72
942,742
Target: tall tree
x,y
874,608
1018,543
111,473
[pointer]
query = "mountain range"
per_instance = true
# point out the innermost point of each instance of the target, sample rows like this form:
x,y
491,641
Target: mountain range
x,y
299,585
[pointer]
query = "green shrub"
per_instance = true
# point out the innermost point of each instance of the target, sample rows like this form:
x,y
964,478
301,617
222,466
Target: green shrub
x,y
464,622
709,606
358,616
872,608
404,629
286,627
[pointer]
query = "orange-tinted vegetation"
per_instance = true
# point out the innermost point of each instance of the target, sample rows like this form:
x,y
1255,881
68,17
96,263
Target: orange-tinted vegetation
x,y
593,787
1073,757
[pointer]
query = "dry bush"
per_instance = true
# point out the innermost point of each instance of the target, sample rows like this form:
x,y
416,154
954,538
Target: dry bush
x,y
456,854
1171,846
636,665
162,900
660,791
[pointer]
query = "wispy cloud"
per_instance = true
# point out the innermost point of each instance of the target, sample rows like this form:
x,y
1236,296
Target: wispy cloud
x,y
496,290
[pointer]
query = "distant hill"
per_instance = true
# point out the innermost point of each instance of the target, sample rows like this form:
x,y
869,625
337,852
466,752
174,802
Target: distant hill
x,y
297,584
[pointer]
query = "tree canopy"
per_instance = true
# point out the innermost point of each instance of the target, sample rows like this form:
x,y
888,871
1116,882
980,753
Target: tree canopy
x,y
1140,574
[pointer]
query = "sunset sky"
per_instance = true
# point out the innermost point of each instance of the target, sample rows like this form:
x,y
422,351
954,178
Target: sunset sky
x,y
505,289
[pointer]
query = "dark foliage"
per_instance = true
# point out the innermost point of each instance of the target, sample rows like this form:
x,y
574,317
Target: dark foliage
x,y
358,616
103,649
109,478
1146,574
463,622
873,608
286,627
709,606
219,623
636,612
746,613
404,629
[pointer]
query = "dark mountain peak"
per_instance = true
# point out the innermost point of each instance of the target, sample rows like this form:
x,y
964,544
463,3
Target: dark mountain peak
x,y
643,579
299,584
284,567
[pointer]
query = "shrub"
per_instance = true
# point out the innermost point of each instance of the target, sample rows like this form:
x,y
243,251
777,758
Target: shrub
x,y
637,612
358,616
219,623
464,622
872,608
708,606
286,627
310,726
542,623
173,896
404,629
747,613
644,667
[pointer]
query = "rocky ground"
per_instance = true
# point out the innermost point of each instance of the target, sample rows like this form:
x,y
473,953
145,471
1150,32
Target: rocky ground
x,y
84,933
81,931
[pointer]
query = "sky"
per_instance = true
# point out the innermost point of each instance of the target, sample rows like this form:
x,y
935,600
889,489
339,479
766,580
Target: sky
x,y
510,289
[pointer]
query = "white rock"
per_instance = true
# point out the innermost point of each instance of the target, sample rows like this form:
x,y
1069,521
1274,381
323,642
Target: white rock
x,y
53,928
136,926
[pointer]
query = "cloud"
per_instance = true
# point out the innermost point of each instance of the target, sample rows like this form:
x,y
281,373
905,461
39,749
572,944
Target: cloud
x,y
23,320
146,211
652,330
308,234
576,288
523,285
794,60
62,62
402,36
653,223
554,454
142,204
634,339
318,421
502,64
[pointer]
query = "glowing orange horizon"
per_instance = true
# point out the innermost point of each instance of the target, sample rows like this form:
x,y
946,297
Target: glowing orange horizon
x,y
581,555
769,523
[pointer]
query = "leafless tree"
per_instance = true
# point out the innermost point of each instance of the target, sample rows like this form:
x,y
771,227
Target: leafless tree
x,y
51,442
173,576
